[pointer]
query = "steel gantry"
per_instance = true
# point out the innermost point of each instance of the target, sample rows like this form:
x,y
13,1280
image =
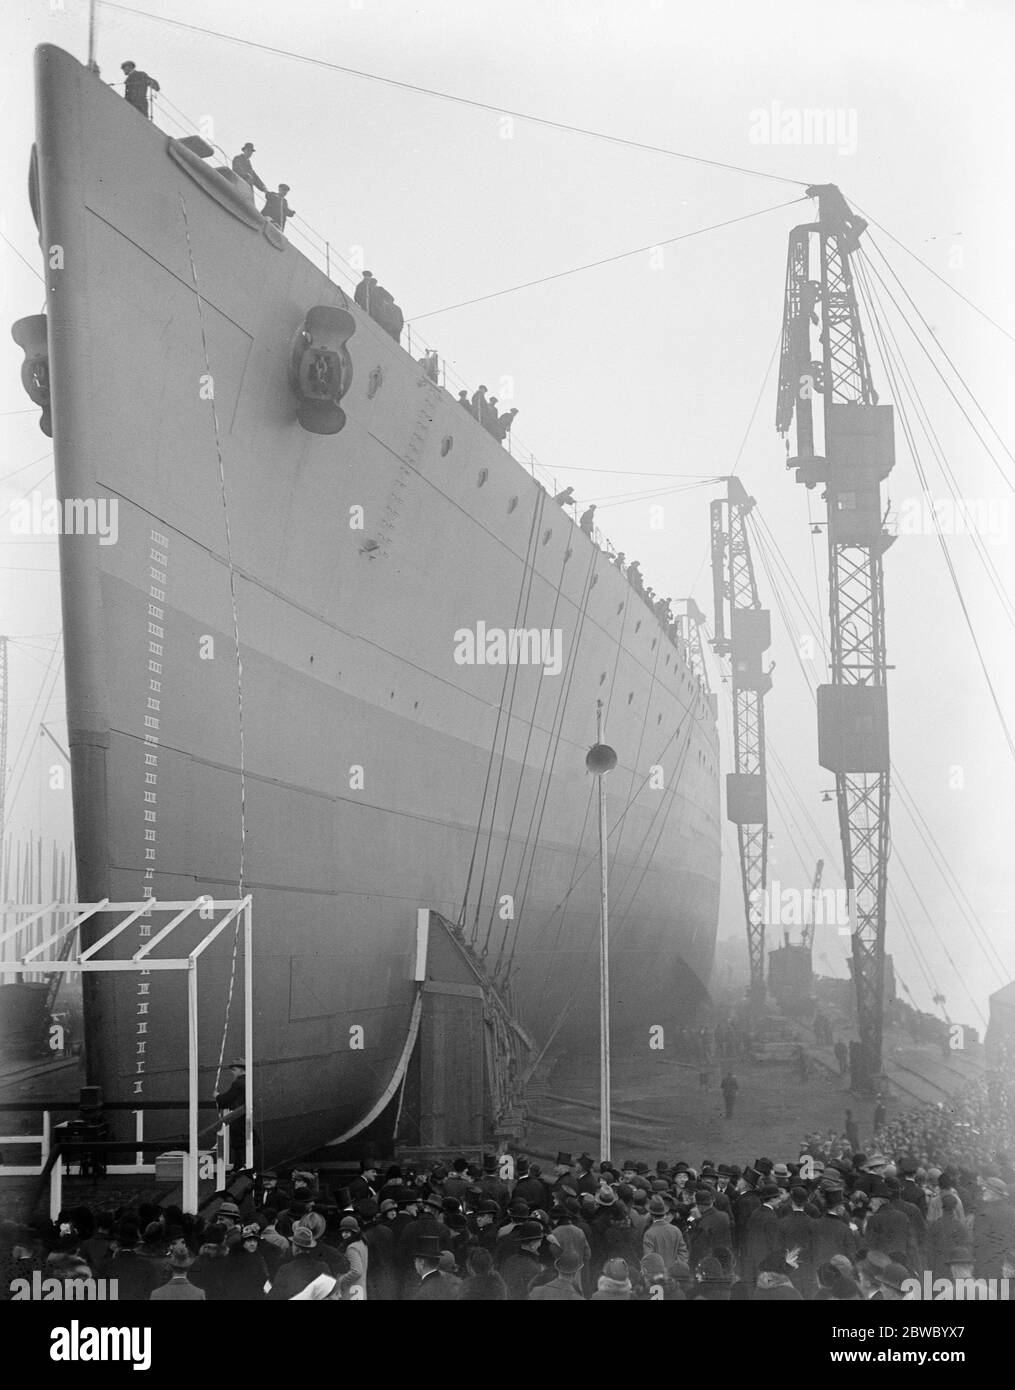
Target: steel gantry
x,y
824,359
743,634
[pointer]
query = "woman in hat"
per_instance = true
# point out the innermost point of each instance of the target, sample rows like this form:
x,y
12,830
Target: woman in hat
x,y
245,1273
356,1252
614,1283
482,1283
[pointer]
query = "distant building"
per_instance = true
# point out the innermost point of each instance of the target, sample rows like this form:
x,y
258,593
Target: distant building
x,y
1001,1027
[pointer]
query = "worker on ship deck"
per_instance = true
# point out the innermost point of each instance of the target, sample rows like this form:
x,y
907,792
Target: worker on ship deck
x,y
232,1111
136,85
276,209
243,167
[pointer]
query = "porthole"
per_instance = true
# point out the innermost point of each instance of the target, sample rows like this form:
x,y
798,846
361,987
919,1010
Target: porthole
x,y
484,473
512,504
374,383
546,535
447,444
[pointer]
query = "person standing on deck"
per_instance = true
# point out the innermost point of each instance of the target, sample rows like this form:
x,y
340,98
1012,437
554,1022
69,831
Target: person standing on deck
x,y
243,167
276,209
135,87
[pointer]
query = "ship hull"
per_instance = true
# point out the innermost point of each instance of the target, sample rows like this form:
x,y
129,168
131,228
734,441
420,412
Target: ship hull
x,y
338,763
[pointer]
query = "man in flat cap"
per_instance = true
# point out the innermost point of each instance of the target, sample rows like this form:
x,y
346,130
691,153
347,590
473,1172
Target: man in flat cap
x,y
136,85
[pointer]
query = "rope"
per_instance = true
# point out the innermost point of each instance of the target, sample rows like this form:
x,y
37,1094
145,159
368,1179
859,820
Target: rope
x,y
533,532
562,700
236,640
520,621
524,764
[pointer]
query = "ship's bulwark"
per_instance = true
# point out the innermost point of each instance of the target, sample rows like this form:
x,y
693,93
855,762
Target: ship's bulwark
x,y
365,746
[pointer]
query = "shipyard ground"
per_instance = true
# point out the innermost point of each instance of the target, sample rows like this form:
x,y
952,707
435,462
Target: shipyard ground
x,y
661,1110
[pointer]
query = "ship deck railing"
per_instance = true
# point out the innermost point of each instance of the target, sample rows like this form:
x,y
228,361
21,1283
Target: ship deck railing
x,y
61,952
323,252
57,1152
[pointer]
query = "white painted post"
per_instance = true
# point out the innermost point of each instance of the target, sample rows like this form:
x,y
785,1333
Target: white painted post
x,y
190,1168
248,1032
221,1157
47,1138
139,1136
56,1188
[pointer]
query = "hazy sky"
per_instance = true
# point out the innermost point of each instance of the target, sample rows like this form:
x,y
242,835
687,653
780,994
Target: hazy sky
x,y
651,365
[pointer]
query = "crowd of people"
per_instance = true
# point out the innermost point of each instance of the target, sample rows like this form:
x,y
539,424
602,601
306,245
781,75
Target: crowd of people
x,y
931,1200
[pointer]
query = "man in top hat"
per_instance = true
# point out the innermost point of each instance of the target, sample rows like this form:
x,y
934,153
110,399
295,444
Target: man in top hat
x,y
365,1186
911,1189
833,1235
886,1228
581,1176
426,1265
710,1230
531,1188
243,167
517,1212
763,1239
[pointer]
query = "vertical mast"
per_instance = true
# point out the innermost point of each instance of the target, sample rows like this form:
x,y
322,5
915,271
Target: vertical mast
x,y
743,633
859,453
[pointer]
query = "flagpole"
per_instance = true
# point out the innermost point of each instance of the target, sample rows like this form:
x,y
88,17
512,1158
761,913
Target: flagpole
x,y
92,8
600,760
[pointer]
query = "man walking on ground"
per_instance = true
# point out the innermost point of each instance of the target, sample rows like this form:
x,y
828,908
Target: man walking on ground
x,y
729,1092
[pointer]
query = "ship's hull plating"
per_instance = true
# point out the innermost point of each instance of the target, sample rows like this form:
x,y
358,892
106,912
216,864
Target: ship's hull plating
x,y
366,747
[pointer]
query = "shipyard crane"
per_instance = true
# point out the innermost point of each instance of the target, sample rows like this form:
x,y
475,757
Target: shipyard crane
x,y
691,623
807,935
743,633
3,741
824,359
